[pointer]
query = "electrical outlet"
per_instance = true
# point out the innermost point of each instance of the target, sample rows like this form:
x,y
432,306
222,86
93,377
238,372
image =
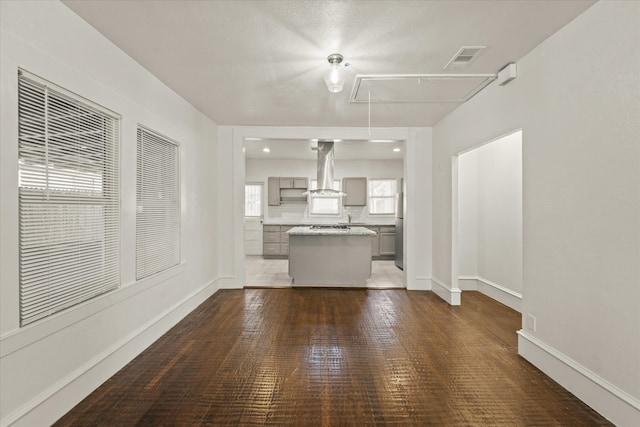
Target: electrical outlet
x,y
531,322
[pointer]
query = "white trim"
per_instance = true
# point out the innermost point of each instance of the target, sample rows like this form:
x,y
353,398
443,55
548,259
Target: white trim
x,y
452,296
612,403
420,284
59,398
491,289
19,338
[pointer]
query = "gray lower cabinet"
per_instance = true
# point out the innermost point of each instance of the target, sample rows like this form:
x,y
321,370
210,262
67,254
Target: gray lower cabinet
x,y
275,241
387,241
383,244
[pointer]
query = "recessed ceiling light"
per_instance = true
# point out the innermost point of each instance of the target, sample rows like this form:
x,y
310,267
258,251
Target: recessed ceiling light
x,y
397,150
266,150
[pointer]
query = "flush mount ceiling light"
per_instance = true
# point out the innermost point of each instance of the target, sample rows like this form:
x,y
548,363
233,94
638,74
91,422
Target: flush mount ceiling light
x,y
266,150
335,76
396,150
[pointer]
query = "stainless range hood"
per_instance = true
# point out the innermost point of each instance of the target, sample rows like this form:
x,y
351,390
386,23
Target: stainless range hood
x,y
325,169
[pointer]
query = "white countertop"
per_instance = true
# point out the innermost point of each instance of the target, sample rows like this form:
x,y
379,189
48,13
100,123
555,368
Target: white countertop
x,y
351,231
353,224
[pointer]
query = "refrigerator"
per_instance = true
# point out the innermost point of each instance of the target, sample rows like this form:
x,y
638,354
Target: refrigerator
x,y
399,257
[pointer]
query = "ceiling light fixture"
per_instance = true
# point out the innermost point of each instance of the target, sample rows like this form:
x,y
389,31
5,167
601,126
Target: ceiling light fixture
x,y
335,76
396,150
266,150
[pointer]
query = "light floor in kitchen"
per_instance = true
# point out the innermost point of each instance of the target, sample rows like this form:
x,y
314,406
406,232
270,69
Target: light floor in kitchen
x,y
261,272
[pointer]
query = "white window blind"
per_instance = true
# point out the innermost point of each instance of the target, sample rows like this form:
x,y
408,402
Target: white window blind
x,y
158,203
253,200
324,204
68,199
382,194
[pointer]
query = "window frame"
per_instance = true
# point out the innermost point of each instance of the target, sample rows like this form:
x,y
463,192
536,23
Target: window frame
x,y
371,198
313,184
170,207
69,225
259,185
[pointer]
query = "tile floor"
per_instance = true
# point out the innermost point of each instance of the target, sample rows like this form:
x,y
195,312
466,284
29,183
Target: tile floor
x,y
261,272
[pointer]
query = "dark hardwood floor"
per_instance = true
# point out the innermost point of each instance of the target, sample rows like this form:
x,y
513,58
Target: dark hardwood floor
x,y
330,357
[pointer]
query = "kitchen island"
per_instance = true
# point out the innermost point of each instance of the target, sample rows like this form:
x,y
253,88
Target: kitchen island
x,y
330,256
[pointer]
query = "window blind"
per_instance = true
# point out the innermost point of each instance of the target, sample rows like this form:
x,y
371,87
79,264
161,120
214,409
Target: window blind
x,y
69,228
324,204
158,203
382,193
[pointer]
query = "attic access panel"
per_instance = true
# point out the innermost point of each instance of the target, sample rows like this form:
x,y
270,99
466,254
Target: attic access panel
x,y
415,88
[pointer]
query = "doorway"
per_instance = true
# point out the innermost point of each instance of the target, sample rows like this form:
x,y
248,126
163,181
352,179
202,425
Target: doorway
x,y
253,215
488,219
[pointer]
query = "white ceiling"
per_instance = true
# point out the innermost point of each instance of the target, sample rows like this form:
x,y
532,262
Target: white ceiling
x,y
261,62
343,150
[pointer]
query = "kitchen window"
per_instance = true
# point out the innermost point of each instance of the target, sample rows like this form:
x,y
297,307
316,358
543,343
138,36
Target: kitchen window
x,y
68,199
157,203
253,200
324,204
382,194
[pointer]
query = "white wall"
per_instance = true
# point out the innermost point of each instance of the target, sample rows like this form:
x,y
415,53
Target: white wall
x,y
576,101
490,219
468,216
48,366
258,170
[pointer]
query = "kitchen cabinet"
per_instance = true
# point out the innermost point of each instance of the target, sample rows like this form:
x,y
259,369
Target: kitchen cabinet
x,y
301,183
273,191
383,244
286,189
387,241
295,182
356,189
275,241
286,183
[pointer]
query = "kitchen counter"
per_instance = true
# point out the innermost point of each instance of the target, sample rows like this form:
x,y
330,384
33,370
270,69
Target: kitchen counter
x,y
330,257
331,231
308,224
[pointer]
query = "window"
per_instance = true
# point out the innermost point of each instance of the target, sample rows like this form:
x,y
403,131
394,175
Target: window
x,y
382,196
324,204
158,203
253,200
69,219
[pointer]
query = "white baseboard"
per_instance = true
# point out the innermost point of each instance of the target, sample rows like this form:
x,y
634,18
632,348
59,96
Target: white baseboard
x,y
420,284
617,406
59,398
452,296
491,289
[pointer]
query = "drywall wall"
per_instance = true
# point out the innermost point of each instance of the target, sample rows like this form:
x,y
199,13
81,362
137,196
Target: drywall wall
x,y
468,216
490,213
576,101
258,170
49,366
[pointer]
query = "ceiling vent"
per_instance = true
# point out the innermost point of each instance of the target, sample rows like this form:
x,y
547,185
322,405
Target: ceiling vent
x,y
463,57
